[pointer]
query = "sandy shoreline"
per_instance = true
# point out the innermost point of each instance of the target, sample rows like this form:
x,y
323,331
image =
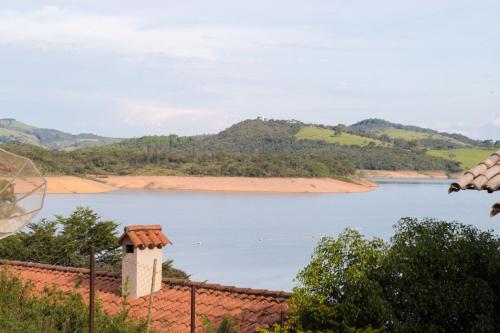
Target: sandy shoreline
x,y
76,185
402,174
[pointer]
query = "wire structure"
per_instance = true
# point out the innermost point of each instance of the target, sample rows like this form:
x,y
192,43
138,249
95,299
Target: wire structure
x,y
22,192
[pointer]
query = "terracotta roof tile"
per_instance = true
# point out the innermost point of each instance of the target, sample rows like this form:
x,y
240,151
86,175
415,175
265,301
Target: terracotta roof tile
x,y
143,236
251,308
484,176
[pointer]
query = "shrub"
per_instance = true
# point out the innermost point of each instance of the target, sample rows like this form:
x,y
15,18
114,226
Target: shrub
x,y
433,276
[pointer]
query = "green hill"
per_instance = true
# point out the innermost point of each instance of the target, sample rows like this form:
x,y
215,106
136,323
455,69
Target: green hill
x,y
329,135
425,137
261,148
467,157
13,130
255,147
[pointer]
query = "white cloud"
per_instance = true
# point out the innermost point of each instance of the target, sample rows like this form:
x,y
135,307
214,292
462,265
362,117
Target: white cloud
x,y
134,37
140,113
160,118
52,27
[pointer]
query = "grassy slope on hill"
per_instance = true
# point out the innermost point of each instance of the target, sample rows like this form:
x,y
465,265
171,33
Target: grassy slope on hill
x,y
250,148
13,135
428,137
328,135
397,133
13,130
468,157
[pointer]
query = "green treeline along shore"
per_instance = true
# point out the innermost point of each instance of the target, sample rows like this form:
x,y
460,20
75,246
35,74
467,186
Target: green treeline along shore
x,y
261,148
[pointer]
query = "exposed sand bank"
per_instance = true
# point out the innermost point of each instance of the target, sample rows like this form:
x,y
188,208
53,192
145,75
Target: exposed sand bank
x,y
69,184
75,185
402,174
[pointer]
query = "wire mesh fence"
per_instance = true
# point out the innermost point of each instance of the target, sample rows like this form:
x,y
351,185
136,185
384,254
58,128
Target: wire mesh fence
x,y
22,192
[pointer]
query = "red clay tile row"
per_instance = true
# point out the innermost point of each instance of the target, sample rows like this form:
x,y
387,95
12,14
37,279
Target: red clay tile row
x,y
143,236
484,176
251,308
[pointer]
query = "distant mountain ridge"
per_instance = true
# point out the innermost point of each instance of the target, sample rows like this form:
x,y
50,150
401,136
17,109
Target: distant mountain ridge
x,y
13,130
253,147
252,136
376,125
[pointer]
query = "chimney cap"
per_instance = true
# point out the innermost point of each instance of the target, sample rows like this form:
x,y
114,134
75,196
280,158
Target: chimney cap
x,y
143,236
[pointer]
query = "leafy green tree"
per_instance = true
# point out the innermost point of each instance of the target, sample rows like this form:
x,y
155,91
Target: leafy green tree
x,y
66,241
434,276
168,271
442,277
337,291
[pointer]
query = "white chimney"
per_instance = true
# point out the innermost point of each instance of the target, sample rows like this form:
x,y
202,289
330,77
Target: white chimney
x,y
142,244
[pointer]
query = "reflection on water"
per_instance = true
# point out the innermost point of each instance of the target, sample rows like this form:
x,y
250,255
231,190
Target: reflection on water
x,y
262,240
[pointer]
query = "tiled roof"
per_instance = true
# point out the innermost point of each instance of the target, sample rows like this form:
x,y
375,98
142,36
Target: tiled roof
x,y
251,308
143,236
484,176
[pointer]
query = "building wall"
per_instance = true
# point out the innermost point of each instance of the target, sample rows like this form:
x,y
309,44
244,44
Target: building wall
x,y
137,267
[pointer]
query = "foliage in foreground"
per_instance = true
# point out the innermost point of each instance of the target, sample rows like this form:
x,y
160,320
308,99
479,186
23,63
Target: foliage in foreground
x,y
52,311
66,241
227,325
433,276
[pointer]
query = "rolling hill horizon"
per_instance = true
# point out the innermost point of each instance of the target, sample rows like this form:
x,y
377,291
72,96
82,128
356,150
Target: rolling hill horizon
x,y
12,129
254,147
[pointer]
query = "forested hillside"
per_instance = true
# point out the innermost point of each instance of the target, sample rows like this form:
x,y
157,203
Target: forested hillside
x,y
13,130
256,148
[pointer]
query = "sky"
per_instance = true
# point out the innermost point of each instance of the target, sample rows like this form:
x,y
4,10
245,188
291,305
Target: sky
x,y
131,68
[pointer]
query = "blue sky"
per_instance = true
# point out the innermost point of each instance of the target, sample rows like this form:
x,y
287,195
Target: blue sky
x,y
131,68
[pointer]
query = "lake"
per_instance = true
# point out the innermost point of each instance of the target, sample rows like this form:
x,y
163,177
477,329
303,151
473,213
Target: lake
x,y
263,240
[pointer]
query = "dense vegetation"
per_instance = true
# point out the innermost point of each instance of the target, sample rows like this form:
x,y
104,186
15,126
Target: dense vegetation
x,y
251,148
433,276
66,241
52,311
261,148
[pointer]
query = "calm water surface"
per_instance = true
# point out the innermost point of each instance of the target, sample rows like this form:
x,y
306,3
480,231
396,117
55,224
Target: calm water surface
x,y
263,240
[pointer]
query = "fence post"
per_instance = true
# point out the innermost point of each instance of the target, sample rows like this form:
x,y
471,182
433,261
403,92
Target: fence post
x,y
92,291
282,317
193,308
148,322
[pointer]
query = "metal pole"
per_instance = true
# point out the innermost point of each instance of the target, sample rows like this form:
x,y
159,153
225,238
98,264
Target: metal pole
x,y
148,322
92,292
193,309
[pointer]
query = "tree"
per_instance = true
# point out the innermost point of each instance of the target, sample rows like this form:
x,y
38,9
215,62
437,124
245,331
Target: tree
x,y
433,276
67,241
337,291
339,129
442,276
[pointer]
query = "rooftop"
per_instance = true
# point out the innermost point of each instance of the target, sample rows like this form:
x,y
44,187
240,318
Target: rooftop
x,y
484,176
251,308
143,236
